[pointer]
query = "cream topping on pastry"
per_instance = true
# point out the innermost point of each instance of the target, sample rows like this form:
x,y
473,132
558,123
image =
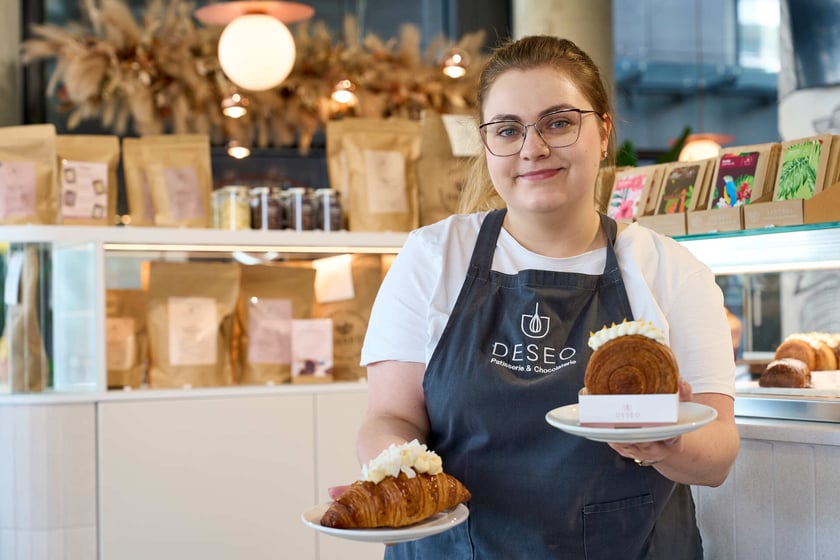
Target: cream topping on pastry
x,y
411,458
644,328
813,341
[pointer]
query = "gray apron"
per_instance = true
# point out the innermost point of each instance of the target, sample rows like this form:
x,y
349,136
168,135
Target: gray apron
x,y
514,348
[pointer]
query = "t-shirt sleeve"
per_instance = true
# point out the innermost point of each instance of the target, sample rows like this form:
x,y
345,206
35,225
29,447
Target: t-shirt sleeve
x,y
398,325
666,283
698,330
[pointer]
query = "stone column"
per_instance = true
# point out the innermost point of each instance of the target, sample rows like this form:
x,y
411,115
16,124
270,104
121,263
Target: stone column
x,y
586,22
10,76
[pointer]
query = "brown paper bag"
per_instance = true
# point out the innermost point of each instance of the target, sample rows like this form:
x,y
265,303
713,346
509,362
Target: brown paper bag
x,y
270,297
180,176
28,187
381,157
190,322
141,205
127,342
27,366
87,170
350,316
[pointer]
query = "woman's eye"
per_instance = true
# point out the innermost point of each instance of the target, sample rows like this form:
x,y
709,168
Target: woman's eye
x,y
509,131
557,123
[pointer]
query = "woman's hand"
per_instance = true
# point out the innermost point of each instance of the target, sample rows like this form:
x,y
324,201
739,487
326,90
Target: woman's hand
x,y
650,453
335,492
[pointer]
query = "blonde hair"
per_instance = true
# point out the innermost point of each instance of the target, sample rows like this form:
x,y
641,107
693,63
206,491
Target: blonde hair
x,y
523,54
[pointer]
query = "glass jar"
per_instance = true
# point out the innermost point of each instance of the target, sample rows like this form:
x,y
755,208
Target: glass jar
x,y
298,209
231,208
266,208
328,215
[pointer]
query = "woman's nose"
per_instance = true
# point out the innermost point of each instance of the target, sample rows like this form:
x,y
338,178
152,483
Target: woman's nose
x,y
533,144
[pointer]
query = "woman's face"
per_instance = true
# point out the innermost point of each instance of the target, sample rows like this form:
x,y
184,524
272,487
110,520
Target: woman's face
x,y
540,178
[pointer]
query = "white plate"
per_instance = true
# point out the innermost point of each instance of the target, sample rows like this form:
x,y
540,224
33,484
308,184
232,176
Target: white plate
x,y
436,524
691,416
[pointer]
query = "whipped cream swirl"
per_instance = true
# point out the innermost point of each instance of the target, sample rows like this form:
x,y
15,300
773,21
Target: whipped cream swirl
x,y
644,328
411,458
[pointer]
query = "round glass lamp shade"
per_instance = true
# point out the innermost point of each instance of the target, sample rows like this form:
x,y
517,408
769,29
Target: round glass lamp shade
x,y
256,51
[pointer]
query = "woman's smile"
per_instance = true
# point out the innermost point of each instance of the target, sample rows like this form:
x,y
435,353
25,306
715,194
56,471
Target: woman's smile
x,y
539,174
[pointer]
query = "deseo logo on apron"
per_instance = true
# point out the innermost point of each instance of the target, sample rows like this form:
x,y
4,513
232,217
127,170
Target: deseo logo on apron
x,y
532,357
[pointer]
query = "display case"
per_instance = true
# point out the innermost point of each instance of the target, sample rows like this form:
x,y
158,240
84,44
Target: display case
x,y
72,267
82,262
796,255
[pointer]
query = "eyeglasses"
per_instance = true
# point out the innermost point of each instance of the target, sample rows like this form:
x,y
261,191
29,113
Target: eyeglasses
x,y
557,129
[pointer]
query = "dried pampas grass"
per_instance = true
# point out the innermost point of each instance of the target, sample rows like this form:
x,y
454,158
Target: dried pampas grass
x,y
161,74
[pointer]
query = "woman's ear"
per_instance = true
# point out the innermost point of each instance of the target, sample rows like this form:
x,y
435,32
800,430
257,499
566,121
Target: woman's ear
x,y
605,137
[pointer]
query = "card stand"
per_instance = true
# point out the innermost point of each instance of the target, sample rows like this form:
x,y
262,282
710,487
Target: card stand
x,y
822,207
666,224
716,220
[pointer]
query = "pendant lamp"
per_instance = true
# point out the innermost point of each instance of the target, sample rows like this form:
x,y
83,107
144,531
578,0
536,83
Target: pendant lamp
x,y
256,49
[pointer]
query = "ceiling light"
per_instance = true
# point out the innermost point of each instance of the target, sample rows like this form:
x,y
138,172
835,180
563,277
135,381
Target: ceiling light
x,y
455,64
235,106
238,150
256,50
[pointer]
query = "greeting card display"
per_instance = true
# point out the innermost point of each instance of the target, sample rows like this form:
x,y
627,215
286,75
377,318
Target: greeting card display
x,y
630,192
681,187
802,167
744,175
733,185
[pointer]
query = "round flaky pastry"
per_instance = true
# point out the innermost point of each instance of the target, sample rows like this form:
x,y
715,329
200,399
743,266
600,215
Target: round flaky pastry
x,y
632,364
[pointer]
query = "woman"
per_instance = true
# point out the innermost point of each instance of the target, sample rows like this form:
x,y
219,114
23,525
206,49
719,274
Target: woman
x,y
443,345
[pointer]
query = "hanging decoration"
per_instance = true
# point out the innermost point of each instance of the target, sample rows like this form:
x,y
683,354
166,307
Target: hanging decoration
x,y
160,73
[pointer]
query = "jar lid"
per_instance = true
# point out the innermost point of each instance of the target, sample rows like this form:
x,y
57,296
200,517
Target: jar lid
x,y
234,190
263,190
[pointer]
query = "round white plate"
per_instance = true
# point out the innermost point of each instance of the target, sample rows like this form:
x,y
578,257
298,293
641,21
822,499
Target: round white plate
x,y
436,524
691,416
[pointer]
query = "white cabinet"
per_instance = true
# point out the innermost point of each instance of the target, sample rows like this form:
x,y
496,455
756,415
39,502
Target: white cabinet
x,y
337,420
211,478
48,481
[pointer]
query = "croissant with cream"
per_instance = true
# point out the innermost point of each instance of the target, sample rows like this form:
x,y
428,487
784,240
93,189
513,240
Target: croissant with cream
x,y
394,501
631,358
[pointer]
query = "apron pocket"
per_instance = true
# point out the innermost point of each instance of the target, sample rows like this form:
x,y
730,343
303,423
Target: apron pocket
x,y
619,529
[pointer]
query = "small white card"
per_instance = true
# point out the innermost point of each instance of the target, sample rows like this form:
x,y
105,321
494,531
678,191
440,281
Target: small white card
x,y
628,411
193,331
84,189
334,279
463,135
312,348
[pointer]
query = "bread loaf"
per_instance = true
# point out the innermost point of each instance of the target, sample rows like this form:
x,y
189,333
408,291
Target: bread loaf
x,y
786,372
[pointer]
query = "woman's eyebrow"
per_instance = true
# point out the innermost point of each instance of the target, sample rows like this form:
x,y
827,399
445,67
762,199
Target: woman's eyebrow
x,y
511,117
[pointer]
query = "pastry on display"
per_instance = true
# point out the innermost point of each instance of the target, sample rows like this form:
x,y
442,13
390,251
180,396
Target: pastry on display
x,y
631,358
403,485
814,349
786,372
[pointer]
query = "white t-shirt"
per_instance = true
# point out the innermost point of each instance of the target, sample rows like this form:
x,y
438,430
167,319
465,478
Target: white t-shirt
x,y
665,284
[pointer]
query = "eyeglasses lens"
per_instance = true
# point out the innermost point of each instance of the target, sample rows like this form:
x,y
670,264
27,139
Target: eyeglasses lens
x,y
557,130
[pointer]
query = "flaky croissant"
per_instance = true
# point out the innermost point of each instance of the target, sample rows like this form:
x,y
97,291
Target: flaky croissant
x,y
394,501
632,364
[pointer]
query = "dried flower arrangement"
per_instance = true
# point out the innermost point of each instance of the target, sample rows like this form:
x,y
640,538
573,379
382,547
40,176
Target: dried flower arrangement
x,y
161,74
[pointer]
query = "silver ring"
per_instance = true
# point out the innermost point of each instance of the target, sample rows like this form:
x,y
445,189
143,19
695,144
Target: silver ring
x,y
644,462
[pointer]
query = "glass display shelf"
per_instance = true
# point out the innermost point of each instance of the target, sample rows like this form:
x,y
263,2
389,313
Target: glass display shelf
x,y
84,252
804,247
